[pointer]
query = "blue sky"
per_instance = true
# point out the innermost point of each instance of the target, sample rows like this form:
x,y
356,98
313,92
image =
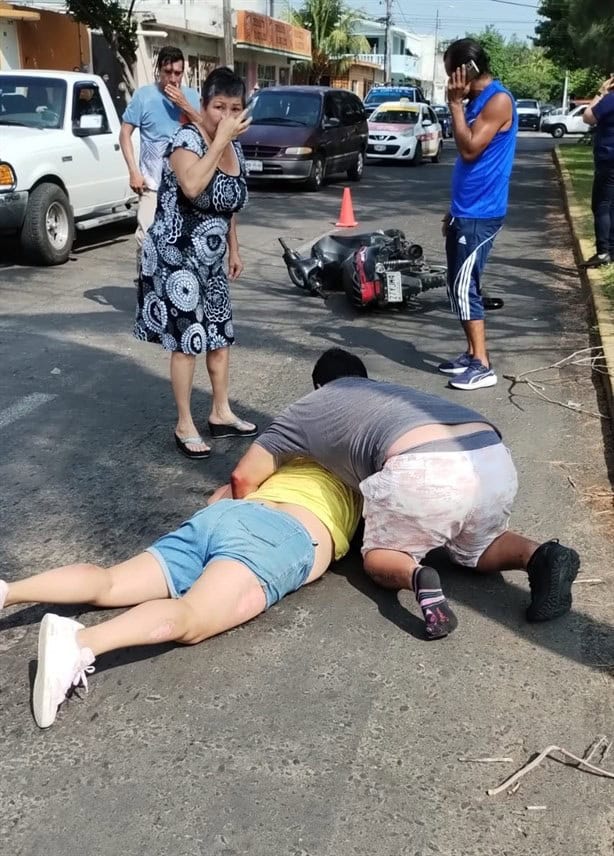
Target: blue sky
x,y
458,16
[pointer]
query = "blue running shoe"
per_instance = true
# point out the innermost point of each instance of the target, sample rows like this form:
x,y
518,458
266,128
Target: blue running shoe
x,y
475,376
457,366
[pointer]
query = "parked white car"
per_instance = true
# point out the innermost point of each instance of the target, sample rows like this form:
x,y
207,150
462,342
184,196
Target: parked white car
x,y
402,130
558,123
61,166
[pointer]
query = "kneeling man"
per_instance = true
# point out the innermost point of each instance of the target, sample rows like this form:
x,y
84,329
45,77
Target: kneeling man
x,y
432,473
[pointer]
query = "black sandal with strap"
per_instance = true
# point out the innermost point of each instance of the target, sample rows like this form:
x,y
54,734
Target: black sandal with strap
x,y
182,445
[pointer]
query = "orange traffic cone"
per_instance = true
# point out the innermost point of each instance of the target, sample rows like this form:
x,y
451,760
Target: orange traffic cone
x,y
346,215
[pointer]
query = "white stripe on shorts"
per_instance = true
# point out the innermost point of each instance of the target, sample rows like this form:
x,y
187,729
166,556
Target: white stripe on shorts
x,y
462,281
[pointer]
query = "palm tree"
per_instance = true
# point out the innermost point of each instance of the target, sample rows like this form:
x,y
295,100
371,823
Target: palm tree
x,y
334,43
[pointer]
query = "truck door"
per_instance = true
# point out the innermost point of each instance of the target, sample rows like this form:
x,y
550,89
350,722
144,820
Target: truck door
x,y
98,171
576,123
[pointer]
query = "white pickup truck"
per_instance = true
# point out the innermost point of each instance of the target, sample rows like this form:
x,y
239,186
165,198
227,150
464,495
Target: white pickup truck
x,y
558,123
61,166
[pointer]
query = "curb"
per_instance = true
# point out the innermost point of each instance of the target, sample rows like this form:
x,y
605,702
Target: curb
x,y
601,309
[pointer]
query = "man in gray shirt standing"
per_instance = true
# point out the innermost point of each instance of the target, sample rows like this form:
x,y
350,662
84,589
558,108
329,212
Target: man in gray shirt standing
x,y
432,473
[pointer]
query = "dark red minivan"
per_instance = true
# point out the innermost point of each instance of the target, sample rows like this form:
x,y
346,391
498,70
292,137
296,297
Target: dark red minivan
x,y
305,133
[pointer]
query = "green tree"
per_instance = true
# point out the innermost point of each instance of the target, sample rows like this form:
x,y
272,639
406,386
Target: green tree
x,y
116,24
531,74
524,69
333,39
494,44
578,33
553,34
591,22
584,82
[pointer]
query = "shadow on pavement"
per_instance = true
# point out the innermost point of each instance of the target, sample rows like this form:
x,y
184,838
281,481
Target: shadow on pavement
x,y
85,241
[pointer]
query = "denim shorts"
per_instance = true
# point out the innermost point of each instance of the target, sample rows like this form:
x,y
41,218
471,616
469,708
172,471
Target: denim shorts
x,y
272,544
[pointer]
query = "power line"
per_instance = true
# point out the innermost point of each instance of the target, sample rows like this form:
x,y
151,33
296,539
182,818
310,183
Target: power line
x,y
513,3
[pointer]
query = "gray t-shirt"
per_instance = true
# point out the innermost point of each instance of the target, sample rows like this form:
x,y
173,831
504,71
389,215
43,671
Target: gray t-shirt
x,y
349,425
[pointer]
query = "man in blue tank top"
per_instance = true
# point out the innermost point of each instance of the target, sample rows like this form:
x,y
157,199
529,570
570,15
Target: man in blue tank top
x,y
485,135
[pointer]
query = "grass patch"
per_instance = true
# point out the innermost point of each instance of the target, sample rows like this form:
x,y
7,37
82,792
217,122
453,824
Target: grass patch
x,y
579,162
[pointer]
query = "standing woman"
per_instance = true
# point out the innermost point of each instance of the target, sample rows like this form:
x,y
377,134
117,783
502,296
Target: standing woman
x,y
183,294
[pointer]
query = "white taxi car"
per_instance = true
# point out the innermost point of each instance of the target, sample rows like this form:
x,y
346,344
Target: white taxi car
x,y
404,130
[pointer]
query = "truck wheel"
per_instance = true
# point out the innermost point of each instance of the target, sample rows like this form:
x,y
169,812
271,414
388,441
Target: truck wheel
x,y
558,131
48,230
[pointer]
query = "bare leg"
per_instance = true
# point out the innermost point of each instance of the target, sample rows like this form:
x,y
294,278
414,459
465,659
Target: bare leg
x,y
390,568
182,378
551,568
137,580
508,552
226,595
476,340
218,362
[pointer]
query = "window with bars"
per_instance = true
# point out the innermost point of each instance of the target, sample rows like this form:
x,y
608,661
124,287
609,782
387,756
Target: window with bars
x,y
241,70
267,76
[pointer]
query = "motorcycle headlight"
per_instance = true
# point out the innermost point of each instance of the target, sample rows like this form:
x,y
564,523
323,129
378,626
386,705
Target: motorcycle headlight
x,y
299,150
8,179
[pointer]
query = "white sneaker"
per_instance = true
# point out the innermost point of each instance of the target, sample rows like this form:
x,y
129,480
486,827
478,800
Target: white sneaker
x,y
62,664
4,590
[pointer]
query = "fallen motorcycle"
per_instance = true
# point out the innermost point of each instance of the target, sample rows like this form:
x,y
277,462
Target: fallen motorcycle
x,y
375,268
380,268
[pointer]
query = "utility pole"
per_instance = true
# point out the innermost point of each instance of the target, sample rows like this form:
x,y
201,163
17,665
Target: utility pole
x,y
388,44
565,92
435,51
228,58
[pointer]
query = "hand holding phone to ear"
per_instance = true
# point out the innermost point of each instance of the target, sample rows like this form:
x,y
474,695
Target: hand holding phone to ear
x,y
471,70
458,86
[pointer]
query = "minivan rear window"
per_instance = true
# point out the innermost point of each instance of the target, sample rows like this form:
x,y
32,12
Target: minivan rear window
x,y
285,108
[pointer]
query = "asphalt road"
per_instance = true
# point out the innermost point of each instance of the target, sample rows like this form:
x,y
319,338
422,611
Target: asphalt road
x,y
326,727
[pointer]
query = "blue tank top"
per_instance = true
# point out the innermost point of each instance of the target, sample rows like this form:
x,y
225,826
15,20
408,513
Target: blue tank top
x,y
480,188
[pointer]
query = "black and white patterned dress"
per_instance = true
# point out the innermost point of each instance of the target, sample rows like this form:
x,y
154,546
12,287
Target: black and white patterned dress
x,y
183,294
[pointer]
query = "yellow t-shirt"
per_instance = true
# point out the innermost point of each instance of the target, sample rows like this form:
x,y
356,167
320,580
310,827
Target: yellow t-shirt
x,y
303,482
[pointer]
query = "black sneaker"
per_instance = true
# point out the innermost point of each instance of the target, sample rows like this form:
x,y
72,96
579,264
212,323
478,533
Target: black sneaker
x,y
598,260
552,570
491,303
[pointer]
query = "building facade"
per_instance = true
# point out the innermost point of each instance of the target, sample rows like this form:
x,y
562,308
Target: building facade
x,y
360,77
415,58
265,49
40,38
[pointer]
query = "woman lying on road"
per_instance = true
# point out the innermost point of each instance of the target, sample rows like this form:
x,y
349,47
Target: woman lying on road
x,y
224,566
